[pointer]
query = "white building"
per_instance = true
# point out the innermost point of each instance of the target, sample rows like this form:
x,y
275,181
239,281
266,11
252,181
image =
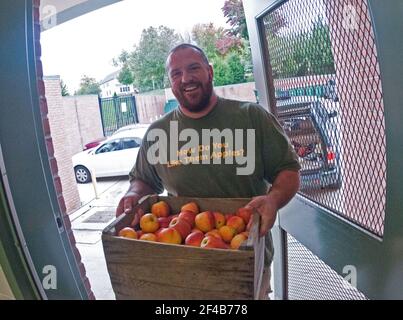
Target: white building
x,y
111,85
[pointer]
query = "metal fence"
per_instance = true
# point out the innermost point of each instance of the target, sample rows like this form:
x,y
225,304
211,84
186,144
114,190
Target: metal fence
x,y
323,64
117,112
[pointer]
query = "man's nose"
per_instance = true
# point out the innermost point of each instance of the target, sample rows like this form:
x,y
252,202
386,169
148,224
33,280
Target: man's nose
x,y
186,77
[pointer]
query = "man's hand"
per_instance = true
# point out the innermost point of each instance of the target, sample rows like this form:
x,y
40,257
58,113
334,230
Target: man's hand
x,y
137,190
127,203
267,210
284,187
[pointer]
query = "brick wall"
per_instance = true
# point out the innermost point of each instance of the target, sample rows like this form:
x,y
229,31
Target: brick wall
x,y
61,130
51,151
83,120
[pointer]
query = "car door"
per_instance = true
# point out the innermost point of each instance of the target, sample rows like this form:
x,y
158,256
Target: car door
x,y
106,159
342,243
128,155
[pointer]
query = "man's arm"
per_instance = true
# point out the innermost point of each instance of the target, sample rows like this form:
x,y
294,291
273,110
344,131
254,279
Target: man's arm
x,y
283,189
137,190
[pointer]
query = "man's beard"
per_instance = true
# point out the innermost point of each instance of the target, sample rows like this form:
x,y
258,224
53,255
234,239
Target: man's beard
x,y
201,103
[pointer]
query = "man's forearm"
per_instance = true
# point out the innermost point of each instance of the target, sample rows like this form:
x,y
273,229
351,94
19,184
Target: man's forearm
x,y
284,188
141,188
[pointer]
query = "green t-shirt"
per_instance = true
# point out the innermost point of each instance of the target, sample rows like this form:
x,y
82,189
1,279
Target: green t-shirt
x,y
245,126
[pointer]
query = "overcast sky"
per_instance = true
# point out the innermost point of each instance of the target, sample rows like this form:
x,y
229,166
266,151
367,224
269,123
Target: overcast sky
x,y
87,45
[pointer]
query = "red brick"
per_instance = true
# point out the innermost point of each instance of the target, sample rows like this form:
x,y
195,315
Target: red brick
x,y
39,69
46,126
41,88
58,185
53,166
62,204
49,147
67,223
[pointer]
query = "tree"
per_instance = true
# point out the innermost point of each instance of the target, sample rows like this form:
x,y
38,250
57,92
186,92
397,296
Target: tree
x,y
64,90
145,65
88,85
234,12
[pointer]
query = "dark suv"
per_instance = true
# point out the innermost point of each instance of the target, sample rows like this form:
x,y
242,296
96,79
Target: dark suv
x,y
314,135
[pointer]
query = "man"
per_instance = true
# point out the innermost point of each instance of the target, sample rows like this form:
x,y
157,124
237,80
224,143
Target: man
x,y
178,155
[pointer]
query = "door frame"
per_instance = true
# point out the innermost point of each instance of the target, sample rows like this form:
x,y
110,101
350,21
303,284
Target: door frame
x,y
334,240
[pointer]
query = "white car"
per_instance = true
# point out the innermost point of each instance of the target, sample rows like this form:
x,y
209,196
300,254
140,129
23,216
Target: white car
x,y
116,156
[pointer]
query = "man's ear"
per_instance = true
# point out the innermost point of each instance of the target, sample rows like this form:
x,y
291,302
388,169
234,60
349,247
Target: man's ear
x,y
211,71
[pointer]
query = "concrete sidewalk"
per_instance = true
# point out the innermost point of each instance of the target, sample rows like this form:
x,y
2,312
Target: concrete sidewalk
x,y
87,225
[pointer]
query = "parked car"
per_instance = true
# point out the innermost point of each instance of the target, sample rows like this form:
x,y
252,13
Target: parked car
x,y
114,157
314,135
97,142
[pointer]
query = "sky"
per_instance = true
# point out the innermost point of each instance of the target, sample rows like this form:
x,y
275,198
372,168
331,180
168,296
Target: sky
x,y
87,44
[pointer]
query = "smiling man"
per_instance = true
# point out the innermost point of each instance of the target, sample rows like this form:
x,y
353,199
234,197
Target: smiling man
x,y
198,149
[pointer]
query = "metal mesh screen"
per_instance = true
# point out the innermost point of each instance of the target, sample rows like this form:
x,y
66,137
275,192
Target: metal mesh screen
x,y
309,278
323,63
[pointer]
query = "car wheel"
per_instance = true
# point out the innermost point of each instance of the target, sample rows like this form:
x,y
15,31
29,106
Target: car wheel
x,y
82,174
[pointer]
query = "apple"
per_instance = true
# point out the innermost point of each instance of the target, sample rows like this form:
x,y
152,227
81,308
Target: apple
x,y
194,239
191,206
213,242
245,214
149,223
219,219
214,233
237,223
164,221
205,221
228,216
149,237
128,232
237,240
196,230
189,216
181,225
227,233
160,209
169,235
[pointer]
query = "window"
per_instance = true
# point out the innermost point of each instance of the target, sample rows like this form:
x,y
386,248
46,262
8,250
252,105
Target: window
x,y
130,143
110,146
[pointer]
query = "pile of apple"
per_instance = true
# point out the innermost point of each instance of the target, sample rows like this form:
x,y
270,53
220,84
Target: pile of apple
x,y
207,229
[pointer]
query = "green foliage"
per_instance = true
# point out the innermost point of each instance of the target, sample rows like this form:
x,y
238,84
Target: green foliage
x,y
145,65
302,54
88,85
234,12
64,90
226,53
125,75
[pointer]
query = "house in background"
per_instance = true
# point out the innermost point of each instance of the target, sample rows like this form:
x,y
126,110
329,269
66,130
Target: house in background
x,y
111,85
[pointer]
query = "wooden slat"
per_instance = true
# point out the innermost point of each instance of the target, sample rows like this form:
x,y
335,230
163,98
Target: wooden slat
x,y
148,270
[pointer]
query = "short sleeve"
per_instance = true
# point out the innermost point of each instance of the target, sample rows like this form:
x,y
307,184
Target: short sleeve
x,y
145,171
277,152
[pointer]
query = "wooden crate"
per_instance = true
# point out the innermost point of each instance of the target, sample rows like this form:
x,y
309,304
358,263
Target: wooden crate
x,y
149,270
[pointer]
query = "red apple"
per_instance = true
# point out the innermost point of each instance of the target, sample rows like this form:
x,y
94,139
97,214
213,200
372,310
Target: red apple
x,y
213,242
164,221
245,214
149,223
205,221
189,216
181,226
169,235
194,239
219,219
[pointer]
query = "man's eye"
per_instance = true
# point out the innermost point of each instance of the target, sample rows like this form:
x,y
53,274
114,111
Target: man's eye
x,y
175,74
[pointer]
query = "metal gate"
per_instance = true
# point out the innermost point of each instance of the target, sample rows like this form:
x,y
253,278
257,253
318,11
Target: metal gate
x,y
117,112
320,67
